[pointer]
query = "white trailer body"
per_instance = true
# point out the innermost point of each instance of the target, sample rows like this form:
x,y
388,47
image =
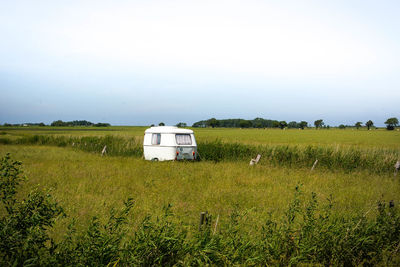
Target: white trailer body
x,y
169,143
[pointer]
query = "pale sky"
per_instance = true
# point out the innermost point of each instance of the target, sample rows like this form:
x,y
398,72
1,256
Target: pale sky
x,y
143,62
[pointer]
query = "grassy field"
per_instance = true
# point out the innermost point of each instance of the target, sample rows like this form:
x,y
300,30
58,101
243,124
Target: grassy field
x,y
87,184
97,181
376,150
348,137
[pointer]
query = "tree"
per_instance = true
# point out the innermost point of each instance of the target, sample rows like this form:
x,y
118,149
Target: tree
x,y
213,122
102,124
161,124
342,126
369,124
275,124
293,124
358,124
72,123
258,123
181,124
58,123
245,124
201,124
282,124
391,123
318,123
79,123
303,124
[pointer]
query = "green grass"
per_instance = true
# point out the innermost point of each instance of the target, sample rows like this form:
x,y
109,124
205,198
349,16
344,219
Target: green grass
x,y
87,184
349,158
334,137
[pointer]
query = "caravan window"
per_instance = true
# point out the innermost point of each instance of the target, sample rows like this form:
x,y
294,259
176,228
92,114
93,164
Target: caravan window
x,y
156,139
183,139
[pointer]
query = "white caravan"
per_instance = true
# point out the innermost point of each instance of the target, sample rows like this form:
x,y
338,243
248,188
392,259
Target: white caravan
x,y
169,143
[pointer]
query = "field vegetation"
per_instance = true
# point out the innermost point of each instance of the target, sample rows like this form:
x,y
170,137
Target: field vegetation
x,y
345,212
347,137
376,151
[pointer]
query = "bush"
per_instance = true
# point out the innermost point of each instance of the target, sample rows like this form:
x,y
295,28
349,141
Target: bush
x,y
159,243
23,235
100,245
390,127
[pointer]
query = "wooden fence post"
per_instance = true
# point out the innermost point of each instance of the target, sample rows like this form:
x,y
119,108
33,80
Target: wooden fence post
x,y
202,220
216,225
396,167
315,164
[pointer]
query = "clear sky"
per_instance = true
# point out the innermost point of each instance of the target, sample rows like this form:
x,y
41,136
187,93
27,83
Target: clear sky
x,y
143,62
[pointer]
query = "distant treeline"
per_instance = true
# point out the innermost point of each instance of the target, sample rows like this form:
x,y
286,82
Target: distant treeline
x,y
256,123
59,123
79,123
23,124
391,124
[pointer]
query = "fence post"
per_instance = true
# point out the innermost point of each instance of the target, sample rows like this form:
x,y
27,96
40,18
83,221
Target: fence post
x,y
104,151
315,164
216,225
396,167
202,219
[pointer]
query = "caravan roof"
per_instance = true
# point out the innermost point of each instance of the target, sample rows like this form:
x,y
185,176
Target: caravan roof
x,y
168,129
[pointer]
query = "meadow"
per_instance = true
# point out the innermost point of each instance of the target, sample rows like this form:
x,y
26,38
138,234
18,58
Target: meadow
x,y
349,137
354,177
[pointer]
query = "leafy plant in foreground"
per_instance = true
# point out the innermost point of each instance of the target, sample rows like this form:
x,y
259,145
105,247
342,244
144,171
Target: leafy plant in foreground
x,y
159,243
100,245
23,235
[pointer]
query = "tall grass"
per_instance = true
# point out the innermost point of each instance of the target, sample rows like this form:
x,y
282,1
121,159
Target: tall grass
x,y
116,146
346,158
331,157
307,233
